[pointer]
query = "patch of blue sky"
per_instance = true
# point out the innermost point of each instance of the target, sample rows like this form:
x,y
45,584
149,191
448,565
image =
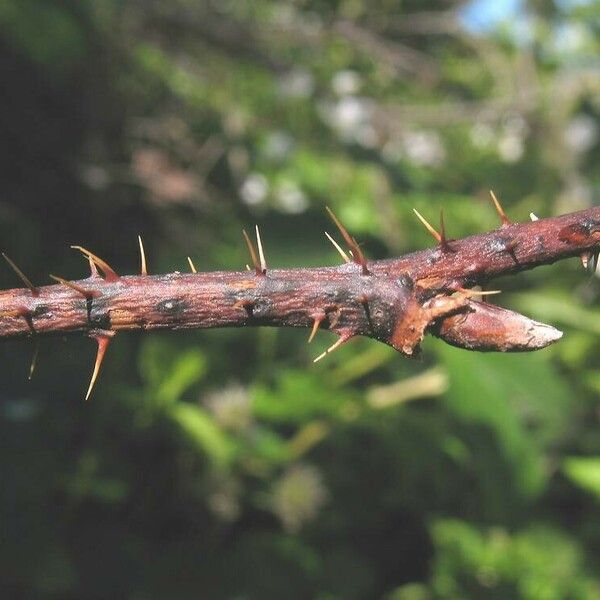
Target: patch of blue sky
x,y
483,16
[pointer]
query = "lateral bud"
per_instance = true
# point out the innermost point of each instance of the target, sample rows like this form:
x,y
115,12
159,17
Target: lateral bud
x,y
486,327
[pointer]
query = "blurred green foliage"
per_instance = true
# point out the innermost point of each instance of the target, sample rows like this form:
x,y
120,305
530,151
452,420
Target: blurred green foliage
x,y
224,464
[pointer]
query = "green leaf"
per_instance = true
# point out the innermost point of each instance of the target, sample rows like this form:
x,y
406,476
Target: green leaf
x,y
584,473
519,398
201,430
169,372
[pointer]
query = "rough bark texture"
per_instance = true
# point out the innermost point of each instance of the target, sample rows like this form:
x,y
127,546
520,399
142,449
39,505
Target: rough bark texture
x,y
396,302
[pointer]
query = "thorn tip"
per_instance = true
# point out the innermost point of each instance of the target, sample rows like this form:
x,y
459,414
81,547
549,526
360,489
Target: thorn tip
x,y
252,253
317,320
74,286
355,251
109,273
34,358
261,254
144,266
505,220
342,340
436,235
21,275
103,338
338,248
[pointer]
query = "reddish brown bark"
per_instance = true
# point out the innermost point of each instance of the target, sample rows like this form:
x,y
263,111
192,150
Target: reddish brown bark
x,y
395,300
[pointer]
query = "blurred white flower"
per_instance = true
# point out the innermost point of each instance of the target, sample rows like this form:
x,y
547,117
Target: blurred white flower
x,y
291,198
482,135
581,133
346,82
298,496
255,188
278,146
576,195
571,38
223,500
348,116
367,136
95,177
392,151
231,407
510,147
297,83
511,140
424,148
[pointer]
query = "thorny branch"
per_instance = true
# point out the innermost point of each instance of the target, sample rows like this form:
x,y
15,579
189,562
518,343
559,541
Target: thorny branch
x,y
395,301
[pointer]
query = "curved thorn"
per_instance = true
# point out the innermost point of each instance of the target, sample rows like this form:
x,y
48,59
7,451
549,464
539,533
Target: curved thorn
x,y
472,292
93,269
34,358
103,338
192,267
87,293
343,339
252,253
21,275
505,220
355,251
109,273
338,248
444,241
533,217
428,226
261,254
144,266
318,319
